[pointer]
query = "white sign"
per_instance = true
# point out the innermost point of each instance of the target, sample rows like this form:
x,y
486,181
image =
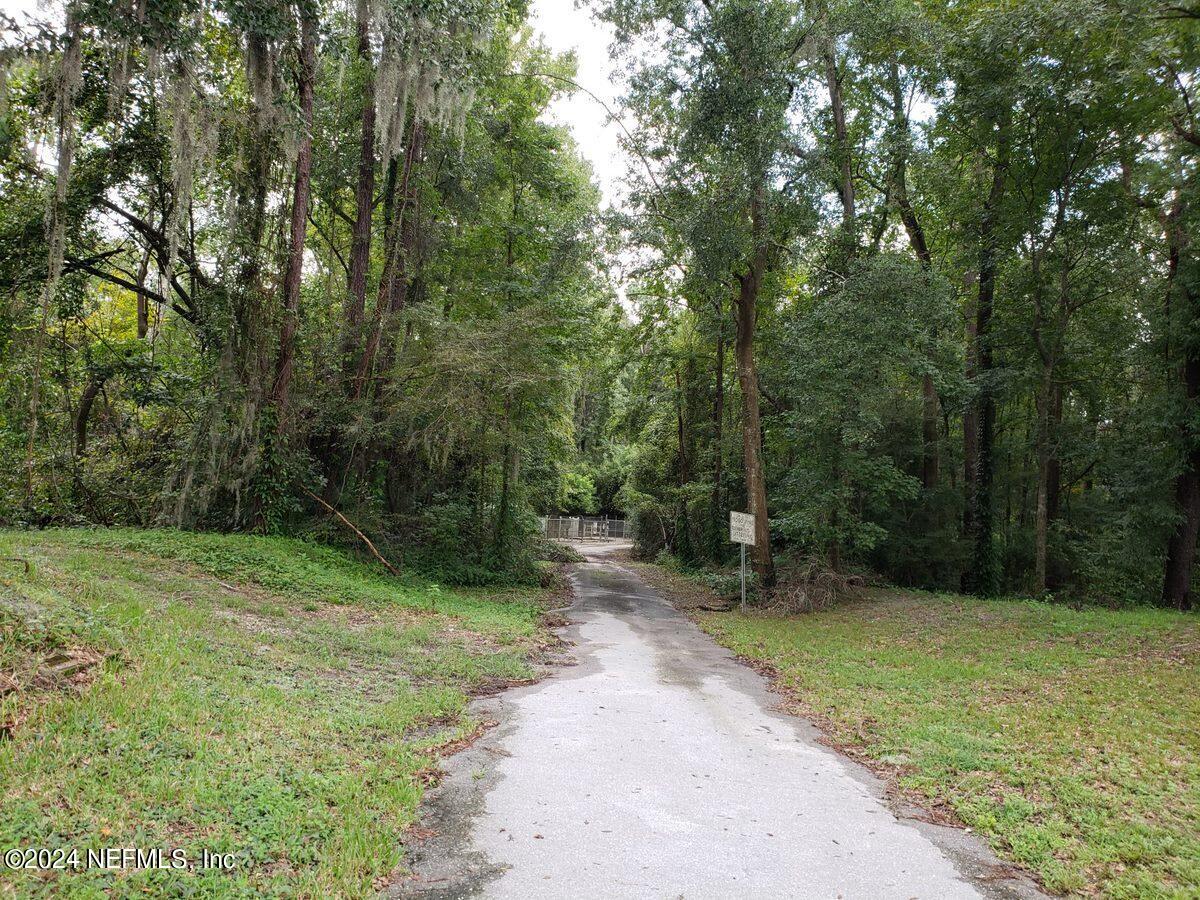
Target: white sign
x,y
741,528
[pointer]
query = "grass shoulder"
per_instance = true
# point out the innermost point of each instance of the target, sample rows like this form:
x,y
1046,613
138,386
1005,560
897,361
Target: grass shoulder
x,y
1070,738
233,694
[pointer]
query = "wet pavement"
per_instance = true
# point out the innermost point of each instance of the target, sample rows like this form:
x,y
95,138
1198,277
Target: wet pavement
x,y
658,766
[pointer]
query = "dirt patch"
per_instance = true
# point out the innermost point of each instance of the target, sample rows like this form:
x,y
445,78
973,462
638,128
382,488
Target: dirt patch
x,y
489,687
1179,646
458,744
34,676
253,622
367,681
685,594
59,669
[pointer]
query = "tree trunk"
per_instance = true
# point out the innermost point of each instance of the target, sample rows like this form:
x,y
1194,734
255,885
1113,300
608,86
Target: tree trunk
x,y
66,91
398,480
508,482
841,136
983,577
250,352
285,363
756,487
252,201
1054,471
393,287
86,401
970,426
364,195
1181,549
930,463
683,537
405,281
1181,302
685,474
1049,399
920,247
143,305
718,513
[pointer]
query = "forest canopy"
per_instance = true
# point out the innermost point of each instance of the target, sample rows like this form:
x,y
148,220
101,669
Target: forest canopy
x,y
912,281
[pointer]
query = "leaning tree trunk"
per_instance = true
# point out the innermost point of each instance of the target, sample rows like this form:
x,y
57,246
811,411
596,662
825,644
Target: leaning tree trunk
x,y
285,363
756,486
86,401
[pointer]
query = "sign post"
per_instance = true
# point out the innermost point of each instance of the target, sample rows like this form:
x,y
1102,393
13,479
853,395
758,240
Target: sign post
x,y
741,531
743,577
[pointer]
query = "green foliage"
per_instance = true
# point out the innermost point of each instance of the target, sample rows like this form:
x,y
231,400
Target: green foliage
x,y
456,545
458,361
845,355
578,494
557,552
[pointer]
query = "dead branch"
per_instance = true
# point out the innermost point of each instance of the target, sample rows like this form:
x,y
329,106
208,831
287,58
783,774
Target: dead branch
x,y
366,540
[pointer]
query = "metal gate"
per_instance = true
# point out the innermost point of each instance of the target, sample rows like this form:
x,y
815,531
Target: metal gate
x,y
585,528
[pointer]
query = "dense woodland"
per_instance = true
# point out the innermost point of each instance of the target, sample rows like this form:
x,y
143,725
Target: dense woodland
x,y
918,284
262,260
913,281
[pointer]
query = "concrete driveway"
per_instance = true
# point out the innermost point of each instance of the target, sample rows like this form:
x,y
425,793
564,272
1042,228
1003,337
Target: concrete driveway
x,y
658,766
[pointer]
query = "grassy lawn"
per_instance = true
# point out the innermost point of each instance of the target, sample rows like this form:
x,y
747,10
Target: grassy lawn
x,y
259,696
1070,739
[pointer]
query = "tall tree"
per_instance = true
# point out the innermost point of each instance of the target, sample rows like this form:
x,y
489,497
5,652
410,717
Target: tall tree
x,y
305,77
364,191
717,111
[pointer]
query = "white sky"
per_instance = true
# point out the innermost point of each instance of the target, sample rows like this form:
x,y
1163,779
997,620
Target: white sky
x,y
564,28
18,8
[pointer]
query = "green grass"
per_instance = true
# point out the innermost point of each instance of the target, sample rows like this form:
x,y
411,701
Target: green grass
x,y
259,696
1069,738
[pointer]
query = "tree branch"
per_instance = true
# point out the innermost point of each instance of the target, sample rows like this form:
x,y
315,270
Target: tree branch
x,y
366,540
74,264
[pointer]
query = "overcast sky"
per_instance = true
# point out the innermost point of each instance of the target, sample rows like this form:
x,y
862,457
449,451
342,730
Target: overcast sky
x,y
566,28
